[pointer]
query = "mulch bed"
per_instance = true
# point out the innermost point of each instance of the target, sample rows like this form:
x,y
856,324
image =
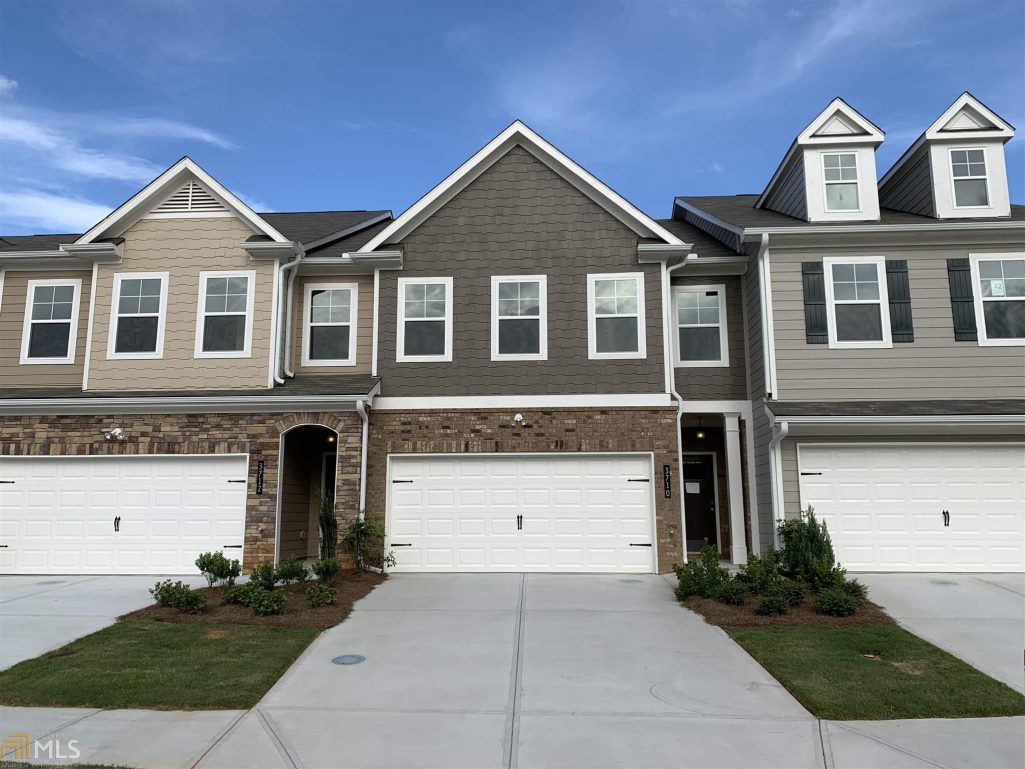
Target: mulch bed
x,y
725,615
349,587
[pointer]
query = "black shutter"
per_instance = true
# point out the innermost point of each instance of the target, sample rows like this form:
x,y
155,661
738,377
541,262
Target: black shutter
x,y
901,327
962,302
815,329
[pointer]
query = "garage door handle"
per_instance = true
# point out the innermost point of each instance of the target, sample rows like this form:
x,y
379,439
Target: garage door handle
x,y
117,523
242,481
946,517
11,482
230,547
401,481
638,480
640,544
401,544
3,547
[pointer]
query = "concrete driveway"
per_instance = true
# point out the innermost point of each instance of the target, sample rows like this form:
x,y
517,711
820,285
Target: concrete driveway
x,y
978,617
42,613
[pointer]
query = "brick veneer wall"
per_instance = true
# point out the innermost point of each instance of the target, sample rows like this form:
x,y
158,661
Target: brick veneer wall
x,y
550,430
253,434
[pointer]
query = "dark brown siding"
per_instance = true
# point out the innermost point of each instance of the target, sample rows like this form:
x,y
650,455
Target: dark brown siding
x,y
789,195
713,383
911,189
520,217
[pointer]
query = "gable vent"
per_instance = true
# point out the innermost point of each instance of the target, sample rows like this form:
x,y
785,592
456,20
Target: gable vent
x,y
191,198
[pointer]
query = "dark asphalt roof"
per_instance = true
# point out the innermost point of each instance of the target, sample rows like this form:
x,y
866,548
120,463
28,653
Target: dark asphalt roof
x,y
34,242
351,242
740,211
1001,407
308,226
705,245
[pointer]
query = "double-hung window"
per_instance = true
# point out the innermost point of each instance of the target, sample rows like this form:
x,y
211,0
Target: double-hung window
x,y
968,170
137,315
840,175
51,321
615,317
519,318
999,282
858,310
225,320
329,326
425,320
701,326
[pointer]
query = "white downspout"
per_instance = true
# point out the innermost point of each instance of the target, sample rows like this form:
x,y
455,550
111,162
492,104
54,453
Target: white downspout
x,y
764,290
361,409
670,362
290,265
289,292
779,432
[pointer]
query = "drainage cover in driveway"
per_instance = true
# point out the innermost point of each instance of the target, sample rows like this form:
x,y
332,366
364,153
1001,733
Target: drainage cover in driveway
x,y
349,659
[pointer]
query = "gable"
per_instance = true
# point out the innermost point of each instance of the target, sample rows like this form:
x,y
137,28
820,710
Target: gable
x,y
191,199
968,117
839,124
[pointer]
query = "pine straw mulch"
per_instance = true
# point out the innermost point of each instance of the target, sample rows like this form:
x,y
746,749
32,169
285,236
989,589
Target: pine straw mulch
x,y
725,615
349,587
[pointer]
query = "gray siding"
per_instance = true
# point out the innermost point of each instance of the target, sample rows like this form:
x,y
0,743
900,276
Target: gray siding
x,y
723,235
762,493
911,190
520,217
727,382
789,193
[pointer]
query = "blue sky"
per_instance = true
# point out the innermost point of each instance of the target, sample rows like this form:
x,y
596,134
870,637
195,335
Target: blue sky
x,y
317,105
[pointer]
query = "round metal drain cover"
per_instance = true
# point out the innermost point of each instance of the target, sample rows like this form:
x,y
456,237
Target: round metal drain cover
x,y
349,659
630,581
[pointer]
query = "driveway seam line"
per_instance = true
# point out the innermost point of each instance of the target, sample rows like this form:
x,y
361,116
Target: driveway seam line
x,y
826,762
64,725
512,728
218,739
279,743
891,746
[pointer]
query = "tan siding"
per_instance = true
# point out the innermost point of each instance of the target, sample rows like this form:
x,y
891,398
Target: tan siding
x,y
12,321
364,324
712,382
933,366
184,248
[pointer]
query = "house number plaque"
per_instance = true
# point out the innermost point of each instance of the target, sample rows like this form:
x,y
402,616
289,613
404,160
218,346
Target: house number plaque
x,y
667,481
259,477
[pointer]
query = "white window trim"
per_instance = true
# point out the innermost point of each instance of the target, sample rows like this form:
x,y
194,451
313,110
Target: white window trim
x,y
724,359
30,292
542,292
883,301
980,317
642,326
400,334
953,185
825,183
115,315
246,350
353,289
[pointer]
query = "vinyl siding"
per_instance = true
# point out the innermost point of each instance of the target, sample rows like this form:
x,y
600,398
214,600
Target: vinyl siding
x,y
520,217
718,383
12,323
723,235
364,324
790,195
184,248
911,190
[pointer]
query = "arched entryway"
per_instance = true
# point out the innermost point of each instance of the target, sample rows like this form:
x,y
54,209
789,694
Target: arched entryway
x,y
308,471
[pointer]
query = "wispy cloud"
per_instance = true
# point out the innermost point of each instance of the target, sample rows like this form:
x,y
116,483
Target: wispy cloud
x,y
159,128
7,85
50,212
386,125
717,167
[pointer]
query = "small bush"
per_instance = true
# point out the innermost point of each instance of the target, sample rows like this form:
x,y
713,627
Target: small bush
x,y
216,567
702,577
325,568
178,595
241,594
791,590
733,593
855,589
836,602
320,595
807,550
760,572
192,602
291,569
364,539
773,603
264,576
328,527
266,602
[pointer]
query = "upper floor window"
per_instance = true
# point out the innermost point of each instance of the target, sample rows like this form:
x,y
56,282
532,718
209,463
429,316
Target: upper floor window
x,y
329,327
225,322
51,321
999,298
840,174
856,298
519,318
971,187
701,326
137,315
425,320
615,317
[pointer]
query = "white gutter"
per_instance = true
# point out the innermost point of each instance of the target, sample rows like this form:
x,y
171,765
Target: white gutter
x,y
361,409
289,291
765,297
290,265
779,432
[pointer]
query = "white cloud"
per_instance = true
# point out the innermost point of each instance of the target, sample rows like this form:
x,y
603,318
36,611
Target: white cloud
x,y
717,167
254,203
159,128
50,212
7,85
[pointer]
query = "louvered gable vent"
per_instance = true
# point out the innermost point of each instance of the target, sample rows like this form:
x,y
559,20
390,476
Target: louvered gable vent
x,y
191,198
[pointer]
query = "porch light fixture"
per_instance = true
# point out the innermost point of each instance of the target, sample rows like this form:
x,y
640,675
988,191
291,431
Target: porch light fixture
x,y
700,433
114,434
330,439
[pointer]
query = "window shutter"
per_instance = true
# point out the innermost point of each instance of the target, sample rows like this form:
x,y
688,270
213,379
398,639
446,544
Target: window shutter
x,y
902,328
815,329
962,302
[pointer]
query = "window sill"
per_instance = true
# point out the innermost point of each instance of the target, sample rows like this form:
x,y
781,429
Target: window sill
x,y
46,361
702,364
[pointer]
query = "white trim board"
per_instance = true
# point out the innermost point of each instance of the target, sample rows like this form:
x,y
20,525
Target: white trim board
x,y
307,324
201,314
541,317
115,316
73,321
523,401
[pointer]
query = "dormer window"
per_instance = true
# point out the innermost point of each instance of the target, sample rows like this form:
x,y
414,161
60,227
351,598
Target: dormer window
x,y
971,187
840,173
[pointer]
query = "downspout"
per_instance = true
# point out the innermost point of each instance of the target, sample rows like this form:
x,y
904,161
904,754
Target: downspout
x,y
290,265
779,432
763,290
289,292
361,409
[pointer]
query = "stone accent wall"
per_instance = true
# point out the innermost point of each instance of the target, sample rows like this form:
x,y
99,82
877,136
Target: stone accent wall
x,y
254,434
551,430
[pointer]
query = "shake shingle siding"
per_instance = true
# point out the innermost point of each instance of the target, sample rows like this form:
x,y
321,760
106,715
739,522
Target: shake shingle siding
x,y
789,195
911,190
718,382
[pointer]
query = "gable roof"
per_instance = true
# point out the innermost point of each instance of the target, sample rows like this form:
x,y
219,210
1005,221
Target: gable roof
x,y
519,134
315,228
16,243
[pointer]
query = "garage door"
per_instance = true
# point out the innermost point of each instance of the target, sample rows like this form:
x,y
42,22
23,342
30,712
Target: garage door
x,y
119,515
557,513
919,508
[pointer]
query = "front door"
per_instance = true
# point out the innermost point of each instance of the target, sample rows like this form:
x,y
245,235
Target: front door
x,y
699,500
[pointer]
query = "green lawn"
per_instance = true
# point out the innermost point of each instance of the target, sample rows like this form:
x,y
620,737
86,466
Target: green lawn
x,y
158,665
827,670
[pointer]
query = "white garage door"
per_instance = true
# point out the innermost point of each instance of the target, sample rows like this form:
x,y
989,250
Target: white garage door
x,y
558,513
919,508
119,515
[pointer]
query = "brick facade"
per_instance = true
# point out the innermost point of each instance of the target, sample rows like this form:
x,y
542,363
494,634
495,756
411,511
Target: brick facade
x,y
254,434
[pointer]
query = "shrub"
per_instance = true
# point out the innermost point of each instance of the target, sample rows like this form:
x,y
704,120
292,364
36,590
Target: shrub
x,y
328,527
773,603
836,602
241,594
360,535
791,590
218,568
760,572
178,595
733,592
320,595
291,569
325,568
266,602
192,602
702,577
264,576
855,589
807,550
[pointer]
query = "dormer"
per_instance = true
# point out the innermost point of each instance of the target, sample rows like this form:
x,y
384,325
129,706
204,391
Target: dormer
x,y
956,169
829,172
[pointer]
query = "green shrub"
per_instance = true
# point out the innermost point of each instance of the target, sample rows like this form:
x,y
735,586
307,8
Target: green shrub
x,y
320,595
328,527
216,567
192,602
792,590
266,602
264,575
325,568
178,595
836,602
362,535
242,594
733,592
807,550
703,576
773,603
760,571
291,569
855,589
